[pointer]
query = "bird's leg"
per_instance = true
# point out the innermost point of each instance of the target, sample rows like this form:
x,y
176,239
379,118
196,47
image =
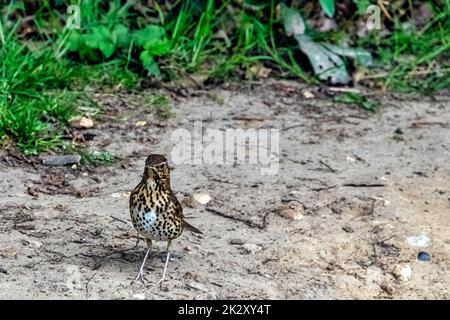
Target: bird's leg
x,y
165,266
137,241
141,274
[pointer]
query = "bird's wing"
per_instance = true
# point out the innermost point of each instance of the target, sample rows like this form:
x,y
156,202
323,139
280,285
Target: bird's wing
x,y
178,212
177,208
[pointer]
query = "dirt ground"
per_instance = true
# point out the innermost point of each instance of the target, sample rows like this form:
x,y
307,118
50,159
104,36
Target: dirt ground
x,y
363,183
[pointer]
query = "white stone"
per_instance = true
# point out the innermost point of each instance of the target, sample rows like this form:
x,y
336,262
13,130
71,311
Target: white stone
x,y
402,272
202,198
251,248
420,241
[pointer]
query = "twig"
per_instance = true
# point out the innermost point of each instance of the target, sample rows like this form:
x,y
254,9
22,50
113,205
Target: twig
x,y
421,124
264,221
247,118
383,9
389,238
324,188
120,220
364,185
87,284
350,90
328,166
217,284
248,222
292,127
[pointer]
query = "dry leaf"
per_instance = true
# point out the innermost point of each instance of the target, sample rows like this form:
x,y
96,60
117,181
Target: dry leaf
x,y
291,212
260,71
81,122
140,123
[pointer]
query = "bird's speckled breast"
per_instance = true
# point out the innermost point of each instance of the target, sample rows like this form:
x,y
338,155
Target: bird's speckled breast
x,y
152,225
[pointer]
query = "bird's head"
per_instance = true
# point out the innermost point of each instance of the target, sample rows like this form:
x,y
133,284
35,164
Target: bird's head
x,y
157,168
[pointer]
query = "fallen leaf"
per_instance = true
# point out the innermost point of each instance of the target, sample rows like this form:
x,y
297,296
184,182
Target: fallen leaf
x,y
291,212
260,71
81,122
308,94
8,253
140,123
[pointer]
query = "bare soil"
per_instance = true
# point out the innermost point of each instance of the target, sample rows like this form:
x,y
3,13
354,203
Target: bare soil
x,y
363,183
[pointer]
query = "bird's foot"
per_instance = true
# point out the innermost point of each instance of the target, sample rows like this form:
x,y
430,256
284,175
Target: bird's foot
x,y
160,281
139,276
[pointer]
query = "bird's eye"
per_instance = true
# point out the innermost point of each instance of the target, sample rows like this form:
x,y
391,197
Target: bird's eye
x,y
162,166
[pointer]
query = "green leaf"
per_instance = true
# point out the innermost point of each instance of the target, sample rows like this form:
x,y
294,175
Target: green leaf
x,y
158,47
149,63
293,21
91,40
328,7
107,48
149,33
102,31
73,41
99,38
362,6
256,5
120,33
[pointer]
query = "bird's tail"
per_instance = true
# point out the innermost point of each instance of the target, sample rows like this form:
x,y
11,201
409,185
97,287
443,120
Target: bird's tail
x,y
191,228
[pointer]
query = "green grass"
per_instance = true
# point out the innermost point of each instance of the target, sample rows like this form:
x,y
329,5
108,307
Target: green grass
x,y
30,114
414,60
357,99
96,158
43,73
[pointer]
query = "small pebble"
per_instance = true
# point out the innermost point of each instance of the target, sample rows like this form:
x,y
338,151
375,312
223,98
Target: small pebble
x,y
202,198
251,248
61,160
237,241
402,272
424,256
291,212
421,240
197,286
139,296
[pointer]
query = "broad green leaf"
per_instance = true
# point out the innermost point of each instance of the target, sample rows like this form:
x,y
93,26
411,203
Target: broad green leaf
x,y
328,7
361,56
154,69
158,47
73,42
107,48
120,33
149,33
293,21
362,6
102,31
326,64
149,63
91,40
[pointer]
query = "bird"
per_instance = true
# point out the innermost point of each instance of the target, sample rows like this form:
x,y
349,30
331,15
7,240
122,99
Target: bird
x,y
155,211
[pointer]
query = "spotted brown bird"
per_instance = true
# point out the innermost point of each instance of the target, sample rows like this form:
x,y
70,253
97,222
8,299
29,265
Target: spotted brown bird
x,y
155,211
